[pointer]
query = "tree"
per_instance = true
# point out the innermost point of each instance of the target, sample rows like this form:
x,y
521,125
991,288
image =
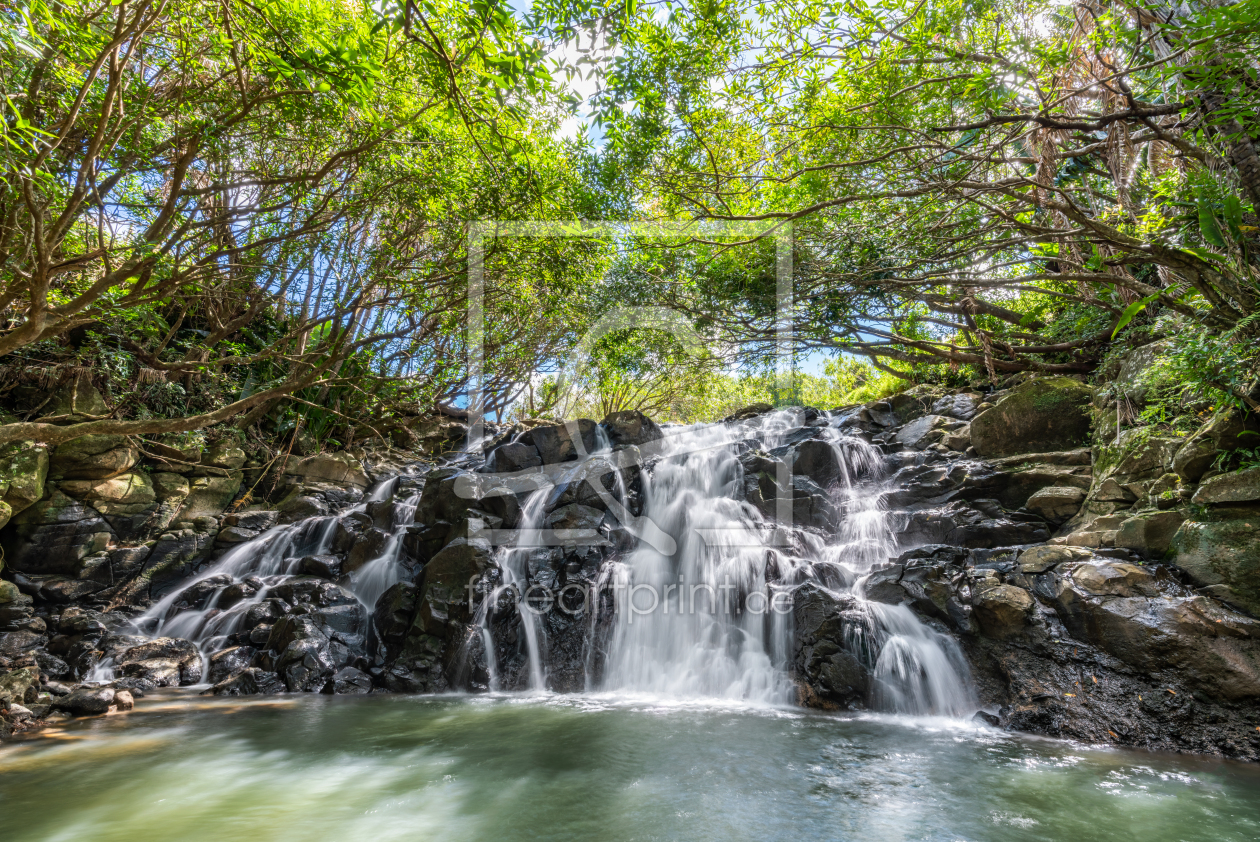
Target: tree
x,y
960,173
260,194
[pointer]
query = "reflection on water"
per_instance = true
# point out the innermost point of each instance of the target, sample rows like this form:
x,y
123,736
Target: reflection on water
x,y
590,767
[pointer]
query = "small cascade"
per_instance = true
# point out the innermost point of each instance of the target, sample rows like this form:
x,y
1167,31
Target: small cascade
x,y
378,575
513,561
236,582
247,574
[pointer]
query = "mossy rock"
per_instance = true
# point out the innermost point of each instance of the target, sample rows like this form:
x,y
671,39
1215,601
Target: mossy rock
x,y
93,457
1038,416
23,470
1222,547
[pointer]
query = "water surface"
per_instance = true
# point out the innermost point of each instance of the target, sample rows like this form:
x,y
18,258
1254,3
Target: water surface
x,y
582,768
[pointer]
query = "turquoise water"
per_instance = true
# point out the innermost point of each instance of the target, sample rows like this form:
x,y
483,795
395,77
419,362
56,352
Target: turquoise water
x,y
584,768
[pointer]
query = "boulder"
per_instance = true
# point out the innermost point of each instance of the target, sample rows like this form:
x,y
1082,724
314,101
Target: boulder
x,y
126,501
93,457
19,685
631,427
340,469
445,597
817,460
923,431
324,566
54,536
512,457
824,622
563,442
226,456
1040,415
249,682
208,497
86,701
164,661
575,518
76,400
1056,504
229,662
23,469
349,681
1045,558
1235,487
123,700
1150,533
748,412
1002,610
961,406
1194,458
1221,548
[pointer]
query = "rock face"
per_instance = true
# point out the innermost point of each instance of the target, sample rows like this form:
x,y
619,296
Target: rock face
x,y
1038,416
1078,646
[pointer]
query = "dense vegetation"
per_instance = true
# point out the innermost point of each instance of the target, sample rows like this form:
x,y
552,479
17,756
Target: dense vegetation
x,y
255,213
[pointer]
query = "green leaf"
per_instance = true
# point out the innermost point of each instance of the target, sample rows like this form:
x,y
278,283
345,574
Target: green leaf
x,y
1131,311
1208,225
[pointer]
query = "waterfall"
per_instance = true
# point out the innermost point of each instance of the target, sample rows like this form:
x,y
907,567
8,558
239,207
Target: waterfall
x,y
713,618
246,574
697,622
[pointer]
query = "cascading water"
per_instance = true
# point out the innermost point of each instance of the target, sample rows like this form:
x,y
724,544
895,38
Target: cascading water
x,y
713,618
245,575
687,623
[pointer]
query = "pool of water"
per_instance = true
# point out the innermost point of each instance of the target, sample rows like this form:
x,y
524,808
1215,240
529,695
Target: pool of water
x,y
590,768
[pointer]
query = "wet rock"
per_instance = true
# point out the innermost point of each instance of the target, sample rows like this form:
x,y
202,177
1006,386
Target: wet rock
x,y
18,643
631,427
86,701
349,681
576,518
512,457
164,661
249,682
1038,415
368,546
1003,610
123,700
229,662
817,460
923,431
324,566
446,582
305,665
835,676
564,442
1056,503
